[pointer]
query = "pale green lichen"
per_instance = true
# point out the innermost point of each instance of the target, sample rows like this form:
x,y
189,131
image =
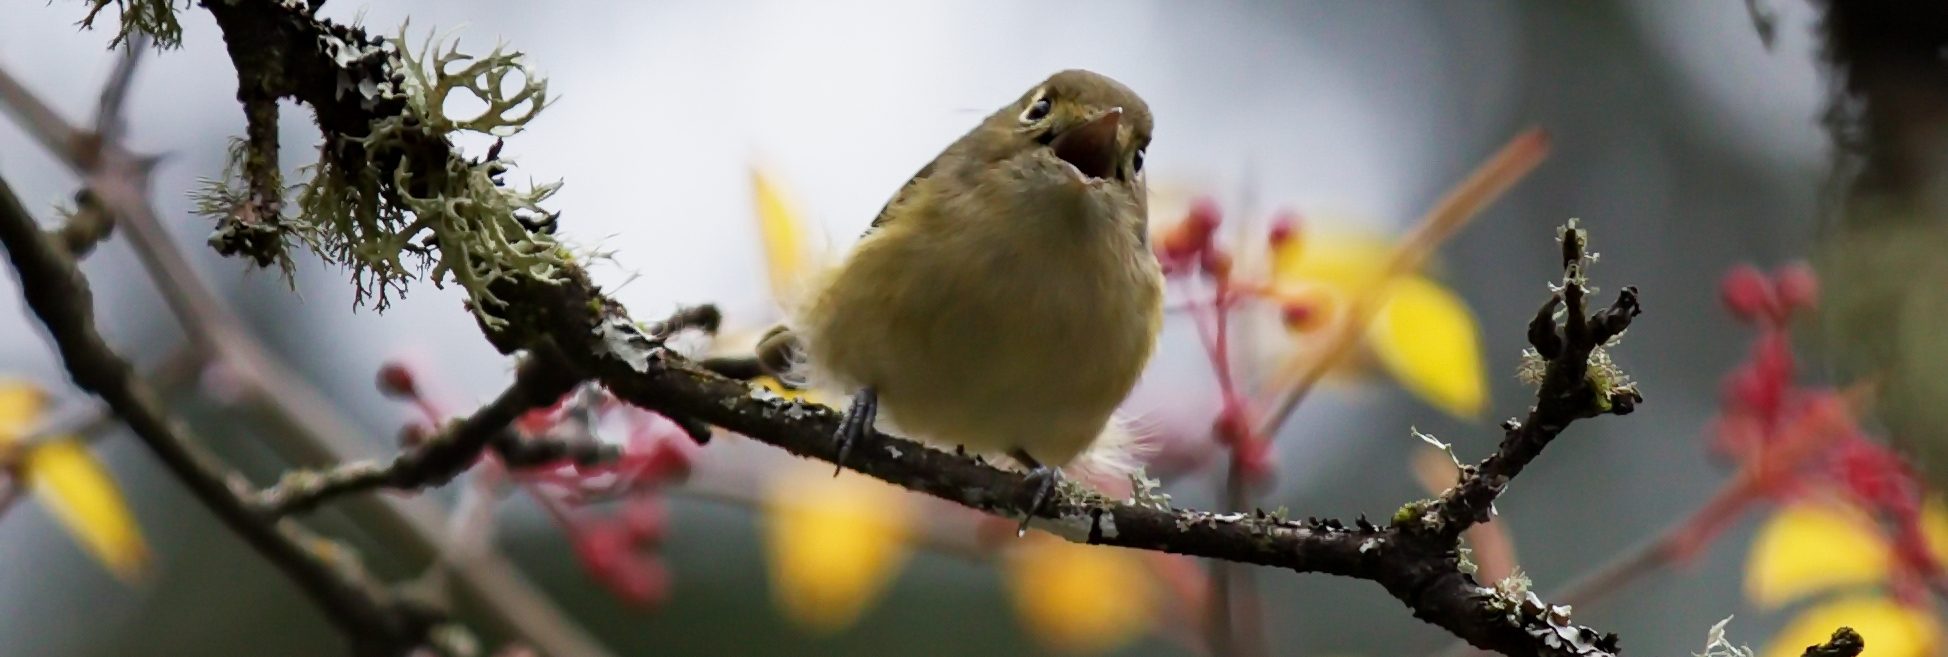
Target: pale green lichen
x,y
1717,645
398,203
1606,379
1148,493
156,18
1512,591
1532,368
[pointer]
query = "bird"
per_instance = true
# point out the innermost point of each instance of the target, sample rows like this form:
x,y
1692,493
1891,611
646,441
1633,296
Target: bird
x,y
1005,300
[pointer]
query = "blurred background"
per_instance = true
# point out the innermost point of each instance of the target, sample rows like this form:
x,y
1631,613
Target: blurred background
x,y
1678,137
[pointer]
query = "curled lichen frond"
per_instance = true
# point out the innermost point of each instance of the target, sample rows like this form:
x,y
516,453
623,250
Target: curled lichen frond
x,y
512,93
389,208
156,18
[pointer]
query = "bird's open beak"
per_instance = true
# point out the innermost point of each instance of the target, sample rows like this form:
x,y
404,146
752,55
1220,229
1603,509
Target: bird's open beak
x,y
1091,147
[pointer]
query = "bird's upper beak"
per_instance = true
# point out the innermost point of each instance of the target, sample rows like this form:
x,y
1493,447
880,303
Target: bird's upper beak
x,y
1091,147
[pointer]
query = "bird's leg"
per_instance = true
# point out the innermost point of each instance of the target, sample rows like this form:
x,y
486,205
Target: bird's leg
x,y
1041,481
857,422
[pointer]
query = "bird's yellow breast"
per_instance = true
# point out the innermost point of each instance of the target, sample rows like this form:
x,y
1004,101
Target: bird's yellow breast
x,y
984,335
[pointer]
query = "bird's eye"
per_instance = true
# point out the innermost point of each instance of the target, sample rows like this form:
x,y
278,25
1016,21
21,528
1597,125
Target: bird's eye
x,y
1136,162
1037,111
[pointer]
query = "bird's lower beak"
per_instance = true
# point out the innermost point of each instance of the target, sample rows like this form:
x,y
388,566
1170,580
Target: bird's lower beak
x,y
1091,147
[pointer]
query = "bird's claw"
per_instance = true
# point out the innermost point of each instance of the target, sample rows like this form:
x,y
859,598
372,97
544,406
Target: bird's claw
x,y
1041,482
859,418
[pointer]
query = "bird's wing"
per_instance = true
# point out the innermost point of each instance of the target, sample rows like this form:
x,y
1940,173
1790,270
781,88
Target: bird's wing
x,y
908,192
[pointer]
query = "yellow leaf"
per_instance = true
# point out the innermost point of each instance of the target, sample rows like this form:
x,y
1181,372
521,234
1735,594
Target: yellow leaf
x,y
788,259
1080,599
1890,628
1344,261
834,544
74,486
1810,547
1426,336
1423,334
81,495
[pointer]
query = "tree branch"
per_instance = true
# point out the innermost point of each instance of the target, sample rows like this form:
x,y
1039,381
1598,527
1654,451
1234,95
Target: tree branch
x,y
60,297
540,381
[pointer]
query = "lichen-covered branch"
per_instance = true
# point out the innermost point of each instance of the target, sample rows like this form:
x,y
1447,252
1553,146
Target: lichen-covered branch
x,y
1575,381
389,198
54,289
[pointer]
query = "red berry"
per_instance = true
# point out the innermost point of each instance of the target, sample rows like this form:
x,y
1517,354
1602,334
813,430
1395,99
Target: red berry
x,y
1204,215
1299,316
1748,294
1230,426
397,381
1798,286
601,547
646,519
1746,389
1285,226
1216,263
666,460
641,581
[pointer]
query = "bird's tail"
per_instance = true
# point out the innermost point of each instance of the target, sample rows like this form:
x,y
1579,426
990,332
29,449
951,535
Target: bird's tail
x,y
1120,451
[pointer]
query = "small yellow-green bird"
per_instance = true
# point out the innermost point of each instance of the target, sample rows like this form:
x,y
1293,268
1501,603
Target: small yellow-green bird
x,y
1006,299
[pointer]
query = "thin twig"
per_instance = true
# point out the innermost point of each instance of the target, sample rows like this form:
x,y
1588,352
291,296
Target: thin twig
x,y
540,381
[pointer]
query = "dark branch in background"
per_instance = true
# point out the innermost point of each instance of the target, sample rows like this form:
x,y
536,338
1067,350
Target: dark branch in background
x,y
59,296
540,381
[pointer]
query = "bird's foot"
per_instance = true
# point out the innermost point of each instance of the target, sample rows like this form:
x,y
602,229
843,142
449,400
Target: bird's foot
x,y
858,420
1040,483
